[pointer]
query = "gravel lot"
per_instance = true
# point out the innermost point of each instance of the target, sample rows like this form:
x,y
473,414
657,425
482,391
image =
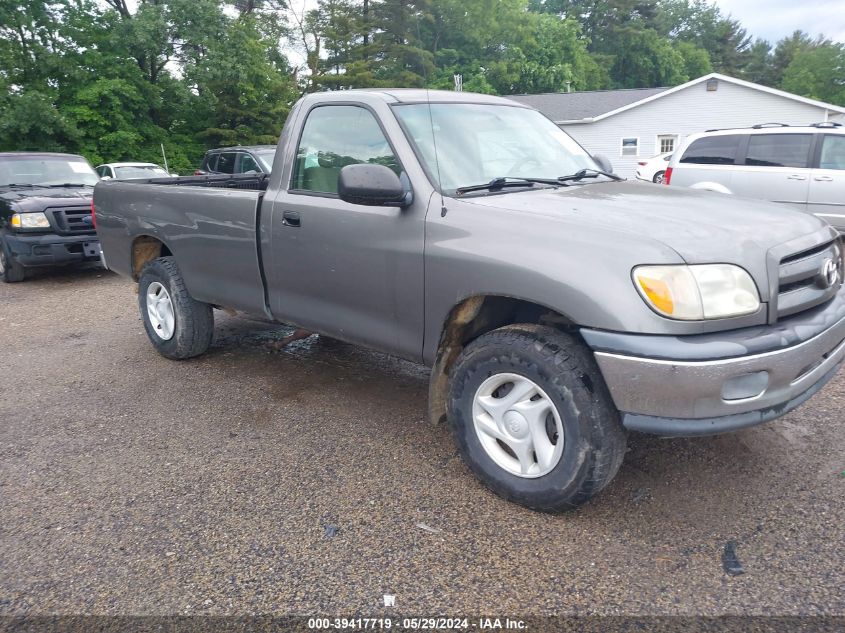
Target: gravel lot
x,y
249,481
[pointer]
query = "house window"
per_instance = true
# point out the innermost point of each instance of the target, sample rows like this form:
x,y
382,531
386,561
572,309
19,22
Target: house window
x,y
630,147
666,143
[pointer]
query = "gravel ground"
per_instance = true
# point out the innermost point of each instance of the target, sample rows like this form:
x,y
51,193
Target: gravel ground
x,y
295,482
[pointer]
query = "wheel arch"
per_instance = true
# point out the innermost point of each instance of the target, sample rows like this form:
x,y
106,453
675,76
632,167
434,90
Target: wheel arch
x,y
146,248
711,186
469,319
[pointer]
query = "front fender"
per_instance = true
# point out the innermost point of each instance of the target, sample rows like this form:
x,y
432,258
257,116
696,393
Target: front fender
x,y
576,270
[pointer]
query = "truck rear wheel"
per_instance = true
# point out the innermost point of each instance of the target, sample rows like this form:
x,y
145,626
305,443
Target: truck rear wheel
x,y
533,419
177,325
10,270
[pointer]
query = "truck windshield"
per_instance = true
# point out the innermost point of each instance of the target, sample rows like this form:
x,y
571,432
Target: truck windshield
x,y
476,143
265,157
46,170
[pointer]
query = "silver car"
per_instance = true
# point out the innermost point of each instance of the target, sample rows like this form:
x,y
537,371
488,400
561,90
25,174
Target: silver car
x,y
802,166
130,171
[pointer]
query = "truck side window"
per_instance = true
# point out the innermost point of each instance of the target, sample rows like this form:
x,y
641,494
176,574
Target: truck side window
x,y
226,163
779,150
713,150
210,162
334,137
248,164
833,153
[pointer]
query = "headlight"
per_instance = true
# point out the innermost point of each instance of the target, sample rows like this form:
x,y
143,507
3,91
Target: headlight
x,y
694,293
30,221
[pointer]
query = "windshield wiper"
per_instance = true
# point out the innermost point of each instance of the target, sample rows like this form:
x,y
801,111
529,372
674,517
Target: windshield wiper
x,y
588,173
506,181
18,184
71,184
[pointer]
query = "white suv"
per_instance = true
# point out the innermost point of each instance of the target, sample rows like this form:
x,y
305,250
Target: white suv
x,y
803,166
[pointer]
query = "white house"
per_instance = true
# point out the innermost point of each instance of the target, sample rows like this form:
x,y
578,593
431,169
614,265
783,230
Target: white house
x,y
632,125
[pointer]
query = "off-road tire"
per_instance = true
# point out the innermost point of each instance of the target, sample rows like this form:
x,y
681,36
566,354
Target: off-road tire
x,y
562,365
194,320
13,272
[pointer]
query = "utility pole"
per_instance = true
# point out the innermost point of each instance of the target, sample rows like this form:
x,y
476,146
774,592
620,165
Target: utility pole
x,y
366,26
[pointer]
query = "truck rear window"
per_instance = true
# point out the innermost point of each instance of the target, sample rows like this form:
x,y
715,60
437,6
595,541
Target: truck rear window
x,y
713,150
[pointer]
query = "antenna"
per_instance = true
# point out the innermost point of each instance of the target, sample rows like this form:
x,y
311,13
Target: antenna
x,y
164,156
443,209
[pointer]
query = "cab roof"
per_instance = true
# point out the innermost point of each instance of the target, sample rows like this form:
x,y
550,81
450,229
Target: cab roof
x,y
414,95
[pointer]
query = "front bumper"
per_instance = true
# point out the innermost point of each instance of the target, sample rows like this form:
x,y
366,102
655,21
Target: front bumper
x,y
52,250
714,383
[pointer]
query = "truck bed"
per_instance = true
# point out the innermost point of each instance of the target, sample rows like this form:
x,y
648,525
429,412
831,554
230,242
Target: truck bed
x,y
209,223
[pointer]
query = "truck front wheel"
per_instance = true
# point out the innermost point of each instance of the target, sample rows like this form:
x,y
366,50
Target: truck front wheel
x,y
178,326
533,419
10,271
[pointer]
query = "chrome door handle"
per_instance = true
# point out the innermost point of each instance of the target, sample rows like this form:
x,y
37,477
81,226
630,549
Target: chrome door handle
x,y
823,179
796,177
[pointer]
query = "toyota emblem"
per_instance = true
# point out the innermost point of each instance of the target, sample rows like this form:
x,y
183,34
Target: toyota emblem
x,y
829,274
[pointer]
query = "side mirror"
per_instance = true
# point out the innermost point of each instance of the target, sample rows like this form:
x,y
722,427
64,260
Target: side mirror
x,y
106,178
372,185
603,163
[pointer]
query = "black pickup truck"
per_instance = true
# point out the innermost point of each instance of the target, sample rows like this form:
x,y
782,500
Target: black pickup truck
x,y
45,212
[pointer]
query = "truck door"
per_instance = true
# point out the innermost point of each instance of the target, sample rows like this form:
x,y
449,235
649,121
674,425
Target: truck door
x,y
350,271
827,181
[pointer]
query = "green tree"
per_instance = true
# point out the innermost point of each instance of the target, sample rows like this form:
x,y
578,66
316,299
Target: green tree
x,y
642,58
729,47
758,67
818,72
243,96
785,52
501,47
696,60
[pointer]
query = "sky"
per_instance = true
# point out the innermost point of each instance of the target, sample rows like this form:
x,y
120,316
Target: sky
x,y
774,19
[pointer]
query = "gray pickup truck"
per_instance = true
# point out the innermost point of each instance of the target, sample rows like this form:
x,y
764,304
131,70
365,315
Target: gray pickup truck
x,y
557,307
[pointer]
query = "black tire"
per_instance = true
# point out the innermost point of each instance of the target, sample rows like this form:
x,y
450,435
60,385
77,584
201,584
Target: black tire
x,y
194,320
10,270
658,177
594,439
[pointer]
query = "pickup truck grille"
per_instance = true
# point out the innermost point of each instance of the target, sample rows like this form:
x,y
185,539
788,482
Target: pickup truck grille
x,y
805,278
73,220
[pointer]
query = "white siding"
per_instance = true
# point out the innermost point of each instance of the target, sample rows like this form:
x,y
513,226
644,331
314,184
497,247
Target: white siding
x,y
685,112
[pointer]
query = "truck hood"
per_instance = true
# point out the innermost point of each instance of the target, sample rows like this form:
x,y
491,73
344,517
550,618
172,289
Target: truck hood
x,y
702,227
25,200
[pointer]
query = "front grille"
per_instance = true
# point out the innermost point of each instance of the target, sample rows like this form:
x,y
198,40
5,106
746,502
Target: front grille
x,y
73,220
802,279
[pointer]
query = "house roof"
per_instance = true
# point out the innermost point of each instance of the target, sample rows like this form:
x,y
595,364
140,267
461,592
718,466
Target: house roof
x,y
568,106
586,107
